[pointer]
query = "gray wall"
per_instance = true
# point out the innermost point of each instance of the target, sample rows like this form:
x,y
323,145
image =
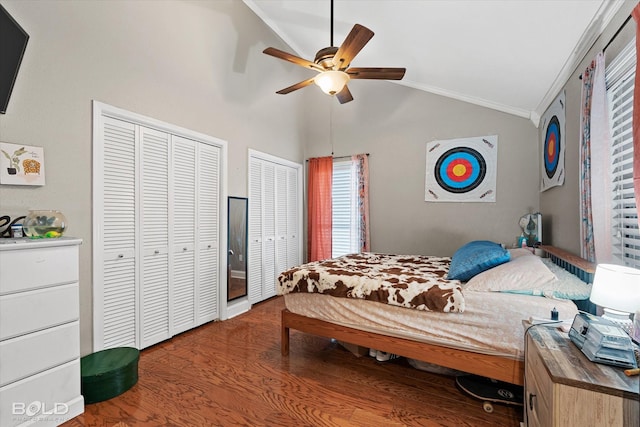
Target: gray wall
x,y
561,205
199,65
393,123
196,64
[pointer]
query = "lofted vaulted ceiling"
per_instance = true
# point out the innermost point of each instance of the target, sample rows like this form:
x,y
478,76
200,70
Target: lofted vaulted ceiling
x,y
509,55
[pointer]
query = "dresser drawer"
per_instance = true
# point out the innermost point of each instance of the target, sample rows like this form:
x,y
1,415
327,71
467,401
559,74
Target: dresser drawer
x,y
32,353
36,268
539,389
536,402
52,390
32,311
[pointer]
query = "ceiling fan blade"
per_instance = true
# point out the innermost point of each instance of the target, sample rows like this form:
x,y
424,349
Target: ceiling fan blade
x,y
376,73
296,86
355,41
292,58
344,95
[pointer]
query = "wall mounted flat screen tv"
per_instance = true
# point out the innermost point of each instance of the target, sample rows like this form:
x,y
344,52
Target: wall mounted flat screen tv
x,y
13,42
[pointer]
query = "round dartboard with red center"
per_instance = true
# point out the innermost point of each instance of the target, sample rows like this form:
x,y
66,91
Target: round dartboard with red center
x,y
552,146
460,170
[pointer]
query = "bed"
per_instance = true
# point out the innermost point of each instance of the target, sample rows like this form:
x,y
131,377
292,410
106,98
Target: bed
x,y
458,336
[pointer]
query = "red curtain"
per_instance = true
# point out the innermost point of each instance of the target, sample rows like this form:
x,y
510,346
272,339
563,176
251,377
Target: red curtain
x,y
636,113
319,211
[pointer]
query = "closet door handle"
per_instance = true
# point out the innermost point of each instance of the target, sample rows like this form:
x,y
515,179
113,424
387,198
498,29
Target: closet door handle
x,y
531,397
184,249
156,252
120,256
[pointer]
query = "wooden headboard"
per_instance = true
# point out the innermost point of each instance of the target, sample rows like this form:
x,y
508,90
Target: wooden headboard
x,y
574,264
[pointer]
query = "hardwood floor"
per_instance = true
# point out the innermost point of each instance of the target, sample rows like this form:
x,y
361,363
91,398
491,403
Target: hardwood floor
x,y
231,373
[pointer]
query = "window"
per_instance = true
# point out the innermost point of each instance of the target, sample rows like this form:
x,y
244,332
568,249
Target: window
x,y
344,197
620,76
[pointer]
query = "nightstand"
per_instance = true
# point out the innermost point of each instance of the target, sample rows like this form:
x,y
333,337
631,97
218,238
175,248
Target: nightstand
x,y
563,388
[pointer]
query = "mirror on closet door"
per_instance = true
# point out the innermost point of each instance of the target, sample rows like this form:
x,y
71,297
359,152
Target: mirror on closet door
x,y
237,248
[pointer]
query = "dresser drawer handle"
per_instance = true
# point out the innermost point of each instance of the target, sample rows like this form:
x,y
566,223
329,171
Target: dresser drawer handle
x,y
531,396
156,252
120,256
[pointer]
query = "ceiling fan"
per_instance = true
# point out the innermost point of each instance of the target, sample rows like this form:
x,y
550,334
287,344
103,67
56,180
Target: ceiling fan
x,y
332,65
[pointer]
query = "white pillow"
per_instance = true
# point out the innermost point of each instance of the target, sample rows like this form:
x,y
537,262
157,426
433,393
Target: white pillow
x,y
518,252
523,274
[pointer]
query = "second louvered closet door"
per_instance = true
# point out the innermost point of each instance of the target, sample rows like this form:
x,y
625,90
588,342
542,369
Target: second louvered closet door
x,y
274,222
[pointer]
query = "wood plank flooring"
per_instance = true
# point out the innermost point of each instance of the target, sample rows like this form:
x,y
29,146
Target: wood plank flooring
x,y
231,373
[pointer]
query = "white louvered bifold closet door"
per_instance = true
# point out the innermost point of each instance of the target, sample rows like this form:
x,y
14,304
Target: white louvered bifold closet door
x,y
281,219
293,212
208,232
118,231
184,226
274,224
286,196
154,284
158,191
268,230
254,263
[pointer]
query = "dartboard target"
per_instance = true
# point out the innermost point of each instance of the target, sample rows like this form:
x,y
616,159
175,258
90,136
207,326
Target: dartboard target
x,y
460,170
552,146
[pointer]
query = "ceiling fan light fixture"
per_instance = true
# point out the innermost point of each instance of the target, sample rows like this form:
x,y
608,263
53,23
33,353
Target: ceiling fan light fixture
x,y
332,81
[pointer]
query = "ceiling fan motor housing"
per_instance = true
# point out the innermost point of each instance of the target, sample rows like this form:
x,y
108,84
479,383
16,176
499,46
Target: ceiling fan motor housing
x,y
324,57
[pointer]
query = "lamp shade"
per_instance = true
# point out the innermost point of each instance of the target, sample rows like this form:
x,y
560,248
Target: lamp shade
x,y
616,287
331,82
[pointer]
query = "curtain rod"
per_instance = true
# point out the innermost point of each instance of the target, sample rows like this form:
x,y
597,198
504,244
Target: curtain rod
x,y
340,157
604,49
616,33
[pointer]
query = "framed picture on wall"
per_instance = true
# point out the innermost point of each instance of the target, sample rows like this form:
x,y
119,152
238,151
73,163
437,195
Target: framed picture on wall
x,y
21,164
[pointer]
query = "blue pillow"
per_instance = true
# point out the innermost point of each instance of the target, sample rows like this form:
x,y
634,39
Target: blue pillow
x,y
476,257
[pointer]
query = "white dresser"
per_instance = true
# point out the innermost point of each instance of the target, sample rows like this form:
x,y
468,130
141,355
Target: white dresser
x,y
39,332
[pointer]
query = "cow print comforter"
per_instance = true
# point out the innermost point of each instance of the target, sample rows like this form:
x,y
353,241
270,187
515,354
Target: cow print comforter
x,y
410,281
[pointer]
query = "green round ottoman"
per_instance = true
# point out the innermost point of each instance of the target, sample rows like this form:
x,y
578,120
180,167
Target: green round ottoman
x,y
108,373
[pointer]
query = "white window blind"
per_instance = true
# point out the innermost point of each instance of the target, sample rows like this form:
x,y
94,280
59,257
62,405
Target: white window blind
x,y
620,76
344,197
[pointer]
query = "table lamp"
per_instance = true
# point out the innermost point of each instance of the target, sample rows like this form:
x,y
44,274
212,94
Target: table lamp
x,y
616,289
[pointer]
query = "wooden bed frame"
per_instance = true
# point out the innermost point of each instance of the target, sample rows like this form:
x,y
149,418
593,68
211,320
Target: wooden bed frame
x,y
497,367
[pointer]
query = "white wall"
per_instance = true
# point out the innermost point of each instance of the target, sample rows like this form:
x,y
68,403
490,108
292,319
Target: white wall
x,y
195,64
393,123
